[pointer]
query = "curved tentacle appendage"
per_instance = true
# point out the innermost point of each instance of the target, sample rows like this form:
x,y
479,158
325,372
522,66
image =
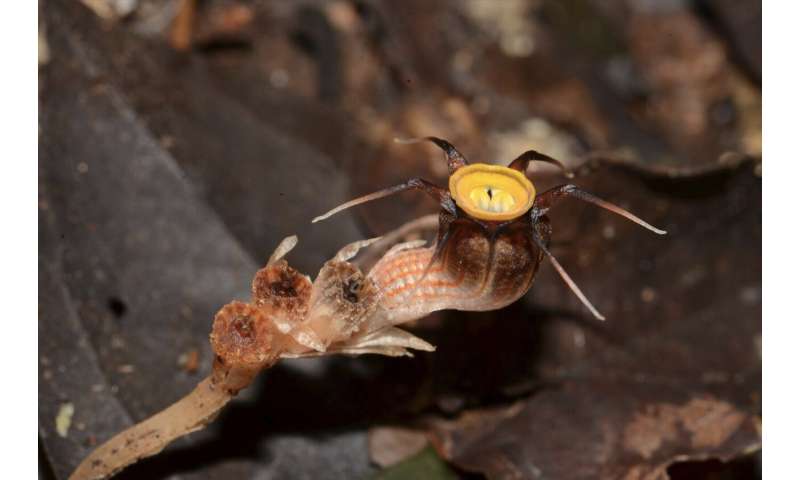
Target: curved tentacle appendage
x,y
546,200
542,205
521,163
455,159
415,183
565,276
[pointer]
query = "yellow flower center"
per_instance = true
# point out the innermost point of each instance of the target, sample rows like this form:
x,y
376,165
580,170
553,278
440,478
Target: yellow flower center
x,y
492,192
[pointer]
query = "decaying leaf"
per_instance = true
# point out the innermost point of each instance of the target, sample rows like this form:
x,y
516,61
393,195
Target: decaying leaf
x,y
425,464
390,445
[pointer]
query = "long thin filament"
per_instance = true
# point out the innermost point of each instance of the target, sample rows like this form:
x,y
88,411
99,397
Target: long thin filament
x,y
366,198
568,280
588,197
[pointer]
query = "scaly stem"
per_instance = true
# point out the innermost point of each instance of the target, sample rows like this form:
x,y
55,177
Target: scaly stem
x,y
189,414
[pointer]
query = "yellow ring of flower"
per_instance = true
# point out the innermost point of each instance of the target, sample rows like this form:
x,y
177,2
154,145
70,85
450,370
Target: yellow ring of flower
x,y
492,192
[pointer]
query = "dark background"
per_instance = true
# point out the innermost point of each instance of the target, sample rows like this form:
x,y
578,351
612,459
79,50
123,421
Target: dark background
x,y
177,149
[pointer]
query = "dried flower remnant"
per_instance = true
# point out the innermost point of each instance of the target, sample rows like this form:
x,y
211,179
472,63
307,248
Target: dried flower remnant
x,y
242,339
